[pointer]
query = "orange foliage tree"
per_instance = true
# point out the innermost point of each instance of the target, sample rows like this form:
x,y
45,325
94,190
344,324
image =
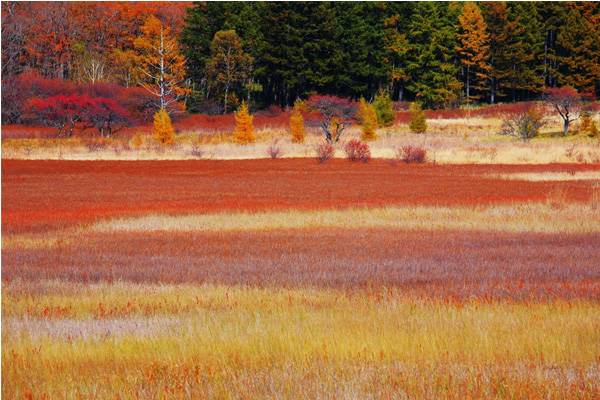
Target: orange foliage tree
x,y
162,64
297,122
163,129
368,120
473,49
244,129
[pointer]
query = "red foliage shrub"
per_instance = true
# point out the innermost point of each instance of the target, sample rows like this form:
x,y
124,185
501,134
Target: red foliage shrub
x,y
325,152
410,154
357,151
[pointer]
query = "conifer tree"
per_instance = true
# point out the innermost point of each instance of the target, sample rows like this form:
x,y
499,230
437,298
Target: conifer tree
x,y
368,120
297,122
473,49
244,129
384,108
163,130
418,121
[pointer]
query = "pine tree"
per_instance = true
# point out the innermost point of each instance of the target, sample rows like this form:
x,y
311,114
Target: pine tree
x,y
384,108
163,130
432,37
473,49
368,120
418,121
244,130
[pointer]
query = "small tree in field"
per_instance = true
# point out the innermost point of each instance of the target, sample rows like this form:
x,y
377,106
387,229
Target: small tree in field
x,y
384,108
418,121
337,114
163,130
297,127
61,112
567,102
368,120
244,130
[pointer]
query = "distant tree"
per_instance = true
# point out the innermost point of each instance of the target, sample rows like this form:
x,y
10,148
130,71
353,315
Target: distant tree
x,y
61,112
431,56
244,129
384,108
473,49
396,47
162,64
368,120
229,65
163,129
107,116
567,102
418,121
337,113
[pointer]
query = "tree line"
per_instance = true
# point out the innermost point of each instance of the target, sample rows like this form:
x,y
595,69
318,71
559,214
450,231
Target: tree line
x,y
442,54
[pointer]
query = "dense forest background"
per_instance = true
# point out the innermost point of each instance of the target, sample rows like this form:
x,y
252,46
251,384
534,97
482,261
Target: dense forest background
x,y
444,54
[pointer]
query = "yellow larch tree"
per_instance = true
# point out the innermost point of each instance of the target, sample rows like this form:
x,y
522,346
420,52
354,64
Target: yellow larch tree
x,y
368,119
163,130
244,130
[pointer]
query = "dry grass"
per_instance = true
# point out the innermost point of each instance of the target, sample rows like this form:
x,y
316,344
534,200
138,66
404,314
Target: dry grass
x,y
216,341
448,141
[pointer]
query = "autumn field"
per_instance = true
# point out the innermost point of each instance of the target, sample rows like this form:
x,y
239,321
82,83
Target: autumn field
x,y
293,279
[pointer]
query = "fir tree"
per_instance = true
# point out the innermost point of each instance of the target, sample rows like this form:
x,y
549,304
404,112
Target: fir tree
x,y
384,108
418,121
368,120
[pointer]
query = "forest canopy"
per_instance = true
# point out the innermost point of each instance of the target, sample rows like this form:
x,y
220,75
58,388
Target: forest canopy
x,y
443,54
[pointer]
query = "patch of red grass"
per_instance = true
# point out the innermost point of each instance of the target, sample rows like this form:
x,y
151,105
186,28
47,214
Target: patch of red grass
x,y
453,265
47,195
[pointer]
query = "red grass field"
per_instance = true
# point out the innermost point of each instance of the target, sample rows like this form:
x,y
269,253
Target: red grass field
x,y
46,195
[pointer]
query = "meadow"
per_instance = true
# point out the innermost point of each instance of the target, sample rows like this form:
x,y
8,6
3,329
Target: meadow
x,y
213,270
292,279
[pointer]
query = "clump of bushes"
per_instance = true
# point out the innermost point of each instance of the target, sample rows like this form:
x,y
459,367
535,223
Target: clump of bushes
x,y
274,151
325,152
411,154
357,151
418,121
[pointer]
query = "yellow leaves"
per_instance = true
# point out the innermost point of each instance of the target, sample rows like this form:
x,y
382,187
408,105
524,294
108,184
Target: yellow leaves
x,y
297,122
163,130
368,118
244,129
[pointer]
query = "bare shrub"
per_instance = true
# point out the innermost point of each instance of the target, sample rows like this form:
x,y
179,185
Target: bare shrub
x,y
411,154
274,151
357,151
325,152
197,151
524,125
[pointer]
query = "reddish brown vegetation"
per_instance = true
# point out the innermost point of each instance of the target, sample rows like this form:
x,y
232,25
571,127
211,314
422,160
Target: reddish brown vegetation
x,y
434,264
43,195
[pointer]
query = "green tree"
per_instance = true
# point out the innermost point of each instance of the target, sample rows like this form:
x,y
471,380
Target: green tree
x,y
418,121
384,108
432,37
229,65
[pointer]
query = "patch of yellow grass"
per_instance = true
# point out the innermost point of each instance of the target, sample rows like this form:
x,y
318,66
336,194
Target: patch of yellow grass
x,y
551,176
572,218
231,333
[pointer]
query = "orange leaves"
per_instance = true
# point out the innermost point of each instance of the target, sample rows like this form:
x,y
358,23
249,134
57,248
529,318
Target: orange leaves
x,y
244,129
163,130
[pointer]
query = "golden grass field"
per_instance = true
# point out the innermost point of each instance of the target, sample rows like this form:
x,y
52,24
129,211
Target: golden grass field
x,y
185,280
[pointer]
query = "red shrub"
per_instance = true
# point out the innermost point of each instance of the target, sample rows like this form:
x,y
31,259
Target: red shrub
x,y
325,152
357,151
410,154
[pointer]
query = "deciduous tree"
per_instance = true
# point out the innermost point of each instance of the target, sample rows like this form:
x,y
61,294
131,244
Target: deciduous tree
x,y
163,129
337,114
567,102
244,129
162,63
473,49
229,65
368,120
